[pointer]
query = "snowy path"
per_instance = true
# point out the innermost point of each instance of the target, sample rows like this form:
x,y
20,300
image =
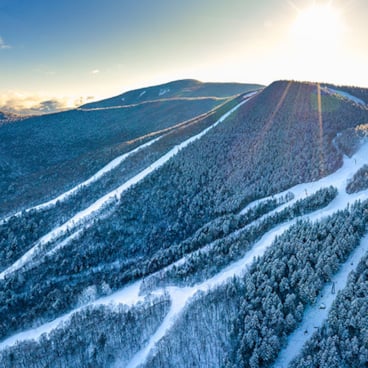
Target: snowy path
x,y
315,316
128,296
112,197
338,179
98,175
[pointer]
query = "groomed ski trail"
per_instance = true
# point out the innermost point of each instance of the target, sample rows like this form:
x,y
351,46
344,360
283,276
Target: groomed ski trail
x,y
239,267
98,175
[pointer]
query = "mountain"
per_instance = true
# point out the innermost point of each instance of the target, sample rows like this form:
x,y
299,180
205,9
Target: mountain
x,y
181,89
214,233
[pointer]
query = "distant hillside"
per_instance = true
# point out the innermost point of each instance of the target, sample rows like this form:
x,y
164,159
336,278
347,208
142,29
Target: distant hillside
x,y
7,117
187,88
42,155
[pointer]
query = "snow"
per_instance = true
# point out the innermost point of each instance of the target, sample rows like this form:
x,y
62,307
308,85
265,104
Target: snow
x,y
128,295
179,298
98,175
251,94
316,314
338,179
345,95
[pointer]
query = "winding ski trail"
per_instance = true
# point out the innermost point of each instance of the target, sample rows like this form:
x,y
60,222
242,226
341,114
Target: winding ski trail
x,y
344,95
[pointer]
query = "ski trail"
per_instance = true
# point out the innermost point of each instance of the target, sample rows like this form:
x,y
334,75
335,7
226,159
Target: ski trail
x,y
338,179
98,175
236,269
109,198
239,267
315,315
128,296
179,298
344,95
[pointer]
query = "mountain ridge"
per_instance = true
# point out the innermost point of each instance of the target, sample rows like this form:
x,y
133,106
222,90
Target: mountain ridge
x,y
183,88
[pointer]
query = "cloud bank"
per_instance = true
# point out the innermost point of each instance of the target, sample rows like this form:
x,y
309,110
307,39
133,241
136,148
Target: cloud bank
x,y
32,104
3,45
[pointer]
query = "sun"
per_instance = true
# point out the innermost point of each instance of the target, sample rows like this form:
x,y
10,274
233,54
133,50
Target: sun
x,y
318,25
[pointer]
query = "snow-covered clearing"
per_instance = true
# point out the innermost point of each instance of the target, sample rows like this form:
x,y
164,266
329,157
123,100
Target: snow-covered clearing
x,y
98,175
110,198
316,314
344,95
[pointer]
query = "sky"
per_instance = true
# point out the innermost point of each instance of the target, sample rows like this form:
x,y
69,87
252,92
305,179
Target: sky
x,y
63,53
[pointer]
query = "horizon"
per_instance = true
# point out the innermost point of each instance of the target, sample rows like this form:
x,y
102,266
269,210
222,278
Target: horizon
x,y
63,55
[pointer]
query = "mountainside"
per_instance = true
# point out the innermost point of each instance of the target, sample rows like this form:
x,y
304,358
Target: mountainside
x,y
214,230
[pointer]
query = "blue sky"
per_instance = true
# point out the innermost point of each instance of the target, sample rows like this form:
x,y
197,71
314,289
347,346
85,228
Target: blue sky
x,y
78,48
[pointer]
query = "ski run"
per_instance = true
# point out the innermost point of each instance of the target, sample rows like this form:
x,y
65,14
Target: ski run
x,y
314,316
98,175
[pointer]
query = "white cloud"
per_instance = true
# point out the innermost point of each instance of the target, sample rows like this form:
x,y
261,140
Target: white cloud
x,y
95,71
3,45
26,103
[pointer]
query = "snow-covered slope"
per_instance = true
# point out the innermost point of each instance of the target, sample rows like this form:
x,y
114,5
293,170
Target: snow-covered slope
x,y
98,175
